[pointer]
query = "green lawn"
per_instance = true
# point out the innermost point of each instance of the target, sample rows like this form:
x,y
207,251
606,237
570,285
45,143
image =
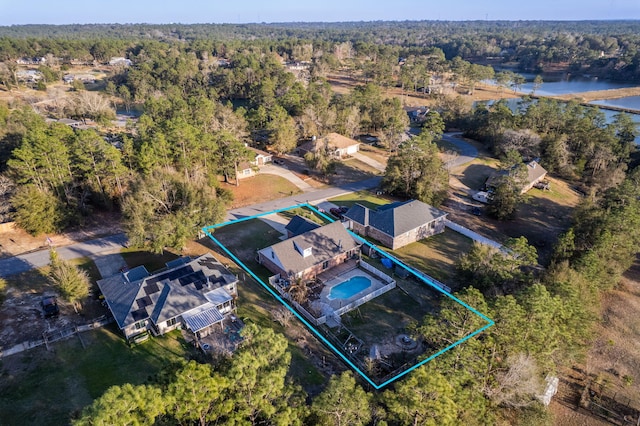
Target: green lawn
x,y
245,238
385,316
362,166
446,146
365,198
475,173
436,256
304,212
89,267
45,388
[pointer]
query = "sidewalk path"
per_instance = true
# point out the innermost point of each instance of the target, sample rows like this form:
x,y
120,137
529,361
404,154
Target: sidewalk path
x,y
24,262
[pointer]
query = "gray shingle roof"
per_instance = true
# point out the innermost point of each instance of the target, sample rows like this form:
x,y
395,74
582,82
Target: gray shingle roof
x,y
299,225
358,213
326,243
397,218
164,295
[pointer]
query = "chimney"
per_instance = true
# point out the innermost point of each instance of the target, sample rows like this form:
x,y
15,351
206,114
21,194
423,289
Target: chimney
x,y
340,245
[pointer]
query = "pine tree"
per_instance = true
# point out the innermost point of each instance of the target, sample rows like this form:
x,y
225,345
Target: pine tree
x,y
72,282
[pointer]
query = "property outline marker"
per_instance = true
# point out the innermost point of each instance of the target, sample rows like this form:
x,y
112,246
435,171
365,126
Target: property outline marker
x,y
423,278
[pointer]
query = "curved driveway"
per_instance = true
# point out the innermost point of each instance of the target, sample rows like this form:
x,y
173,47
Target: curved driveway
x,y
466,151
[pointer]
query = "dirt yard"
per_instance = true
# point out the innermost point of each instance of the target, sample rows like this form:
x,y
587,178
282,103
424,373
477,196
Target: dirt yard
x,y
22,317
543,216
343,84
612,364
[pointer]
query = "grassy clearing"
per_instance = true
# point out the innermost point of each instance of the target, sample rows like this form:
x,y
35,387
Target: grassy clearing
x,y
362,166
304,212
378,154
33,281
365,198
436,256
243,239
385,316
45,388
350,172
447,146
260,188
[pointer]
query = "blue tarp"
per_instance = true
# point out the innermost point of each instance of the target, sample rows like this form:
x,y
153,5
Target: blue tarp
x,y
387,263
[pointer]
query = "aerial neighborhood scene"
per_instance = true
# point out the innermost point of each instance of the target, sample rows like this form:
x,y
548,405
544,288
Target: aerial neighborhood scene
x,y
261,213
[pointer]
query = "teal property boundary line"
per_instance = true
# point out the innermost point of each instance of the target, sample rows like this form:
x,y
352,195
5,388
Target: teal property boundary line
x,y
208,231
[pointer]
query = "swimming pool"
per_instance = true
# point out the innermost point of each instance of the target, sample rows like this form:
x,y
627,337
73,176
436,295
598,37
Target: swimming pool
x,y
348,288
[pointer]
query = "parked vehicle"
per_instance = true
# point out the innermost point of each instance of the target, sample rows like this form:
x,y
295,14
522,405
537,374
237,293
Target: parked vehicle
x,y
339,211
50,306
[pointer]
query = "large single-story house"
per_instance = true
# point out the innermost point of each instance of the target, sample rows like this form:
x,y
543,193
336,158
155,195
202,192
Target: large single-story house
x,y
339,146
310,253
397,224
535,173
195,294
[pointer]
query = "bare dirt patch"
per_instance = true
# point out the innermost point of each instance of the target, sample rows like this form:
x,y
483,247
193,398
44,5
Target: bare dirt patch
x,y
541,218
343,84
22,317
260,188
612,366
601,94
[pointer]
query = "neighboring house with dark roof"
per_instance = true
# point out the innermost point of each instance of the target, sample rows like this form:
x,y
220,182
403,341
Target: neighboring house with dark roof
x,y
398,224
195,294
535,173
310,253
299,225
339,146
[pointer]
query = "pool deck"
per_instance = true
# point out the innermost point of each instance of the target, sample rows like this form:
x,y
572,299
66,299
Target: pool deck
x,y
376,284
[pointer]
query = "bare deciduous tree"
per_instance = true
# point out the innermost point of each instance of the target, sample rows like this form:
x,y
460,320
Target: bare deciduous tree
x,y
282,316
519,385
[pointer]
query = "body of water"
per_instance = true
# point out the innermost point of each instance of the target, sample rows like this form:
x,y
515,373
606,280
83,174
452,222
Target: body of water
x,y
630,102
349,288
562,85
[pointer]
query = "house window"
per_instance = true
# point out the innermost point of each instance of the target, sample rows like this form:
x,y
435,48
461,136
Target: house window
x,y
246,172
325,264
171,322
141,324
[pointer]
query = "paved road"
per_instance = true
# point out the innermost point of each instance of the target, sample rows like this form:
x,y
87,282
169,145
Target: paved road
x,y
467,152
307,197
24,262
37,259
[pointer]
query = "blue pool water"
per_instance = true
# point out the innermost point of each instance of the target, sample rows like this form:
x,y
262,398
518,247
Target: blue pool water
x,y
348,288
